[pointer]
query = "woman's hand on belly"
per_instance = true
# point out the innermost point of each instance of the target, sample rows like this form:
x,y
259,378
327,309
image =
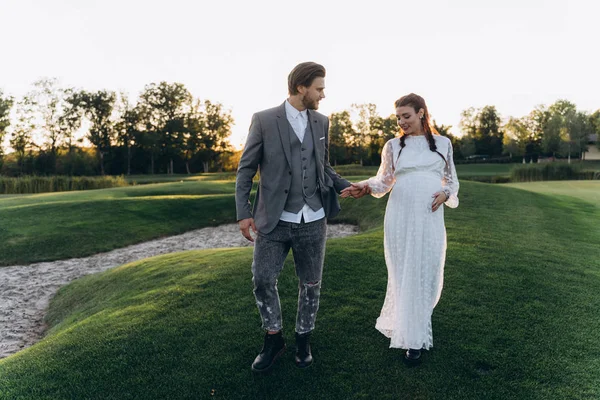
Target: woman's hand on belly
x,y
439,198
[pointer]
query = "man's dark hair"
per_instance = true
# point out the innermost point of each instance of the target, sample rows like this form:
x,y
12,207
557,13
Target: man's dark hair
x,y
303,75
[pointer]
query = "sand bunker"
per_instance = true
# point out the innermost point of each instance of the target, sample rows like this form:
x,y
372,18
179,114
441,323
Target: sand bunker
x,y
26,290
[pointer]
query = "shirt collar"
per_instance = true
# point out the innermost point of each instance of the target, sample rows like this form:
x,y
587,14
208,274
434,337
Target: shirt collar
x,y
292,112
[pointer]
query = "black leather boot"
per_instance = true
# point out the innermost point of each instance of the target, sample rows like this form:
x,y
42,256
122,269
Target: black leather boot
x,y
273,348
303,355
413,354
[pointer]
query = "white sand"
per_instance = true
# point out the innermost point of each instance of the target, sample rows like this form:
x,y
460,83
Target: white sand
x,y
26,290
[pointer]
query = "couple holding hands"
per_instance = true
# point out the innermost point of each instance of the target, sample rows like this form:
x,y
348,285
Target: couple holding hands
x,y
297,193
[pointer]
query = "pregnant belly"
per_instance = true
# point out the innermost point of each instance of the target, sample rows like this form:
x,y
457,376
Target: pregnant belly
x,y
414,190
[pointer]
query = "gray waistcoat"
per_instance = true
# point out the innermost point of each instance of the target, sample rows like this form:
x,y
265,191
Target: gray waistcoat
x,y
304,173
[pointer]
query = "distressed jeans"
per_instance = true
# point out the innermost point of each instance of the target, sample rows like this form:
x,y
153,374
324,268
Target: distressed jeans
x,y
307,241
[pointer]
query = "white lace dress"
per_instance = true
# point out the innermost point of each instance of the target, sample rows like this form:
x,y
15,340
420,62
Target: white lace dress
x,y
414,236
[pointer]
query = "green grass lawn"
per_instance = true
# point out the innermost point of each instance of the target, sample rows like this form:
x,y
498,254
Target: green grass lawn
x,y
466,171
517,318
486,171
162,178
475,170
586,190
50,226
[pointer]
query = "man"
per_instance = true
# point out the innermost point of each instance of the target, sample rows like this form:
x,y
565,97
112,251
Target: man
x,y
297,191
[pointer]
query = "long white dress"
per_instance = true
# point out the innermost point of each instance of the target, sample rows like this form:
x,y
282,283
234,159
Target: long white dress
x,y
414,236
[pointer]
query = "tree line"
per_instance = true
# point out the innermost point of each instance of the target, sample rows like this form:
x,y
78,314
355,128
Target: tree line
x,y
357,135
167,130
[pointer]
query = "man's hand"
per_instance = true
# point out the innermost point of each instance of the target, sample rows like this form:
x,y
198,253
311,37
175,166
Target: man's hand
x,y
245,225
356,190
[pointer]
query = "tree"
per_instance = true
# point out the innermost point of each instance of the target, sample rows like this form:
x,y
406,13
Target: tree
x,y
72,115
553,130
231,160
483,126
468,125
98,108
6,104
21,140
340,129
566,129
517,137
127,127
192,137
364,133
536,122
579,131
467,146
47,101
594,124
468,122
444,130
388,127
162,109
489,135
216,129
70,122
382,130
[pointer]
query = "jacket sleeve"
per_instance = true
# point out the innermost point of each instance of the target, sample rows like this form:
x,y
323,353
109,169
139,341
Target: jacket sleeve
x,y
247,168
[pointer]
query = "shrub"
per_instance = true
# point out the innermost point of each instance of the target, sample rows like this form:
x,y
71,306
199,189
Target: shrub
x,y
550,172
59,183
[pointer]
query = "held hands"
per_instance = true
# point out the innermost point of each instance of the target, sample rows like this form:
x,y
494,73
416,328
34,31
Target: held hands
x,y
439,199
245,225
356,190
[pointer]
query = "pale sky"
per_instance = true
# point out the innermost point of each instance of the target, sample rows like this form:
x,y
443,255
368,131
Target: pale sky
x,y
456,54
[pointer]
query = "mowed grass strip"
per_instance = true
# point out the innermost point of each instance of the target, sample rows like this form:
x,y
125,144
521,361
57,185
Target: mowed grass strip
x,y
51,226
517,318
162,178
586,190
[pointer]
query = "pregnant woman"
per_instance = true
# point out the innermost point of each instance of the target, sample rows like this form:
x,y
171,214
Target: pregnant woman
x,y
418,169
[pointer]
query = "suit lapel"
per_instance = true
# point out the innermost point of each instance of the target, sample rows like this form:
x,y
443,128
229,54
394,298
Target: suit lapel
x,y
284,133
319,142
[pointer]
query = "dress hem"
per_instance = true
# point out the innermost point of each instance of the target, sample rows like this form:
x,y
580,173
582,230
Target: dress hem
x,y
425,345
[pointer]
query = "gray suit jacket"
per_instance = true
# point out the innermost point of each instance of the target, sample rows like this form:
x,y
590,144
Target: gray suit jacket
x,y
267,150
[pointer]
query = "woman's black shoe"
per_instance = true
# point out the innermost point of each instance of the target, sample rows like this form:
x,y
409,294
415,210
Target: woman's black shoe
x,y
413,354
273,348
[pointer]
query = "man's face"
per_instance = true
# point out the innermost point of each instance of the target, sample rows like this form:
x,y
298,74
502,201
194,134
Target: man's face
x,y
312,95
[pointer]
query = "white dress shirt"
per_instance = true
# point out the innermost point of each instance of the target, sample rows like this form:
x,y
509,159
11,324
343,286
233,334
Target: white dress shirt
x,y
299,120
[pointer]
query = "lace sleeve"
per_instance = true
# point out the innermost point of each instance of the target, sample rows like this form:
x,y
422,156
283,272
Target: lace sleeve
x,y
385,179
450,181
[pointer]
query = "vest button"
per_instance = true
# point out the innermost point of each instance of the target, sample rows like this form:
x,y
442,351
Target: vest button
x,y
290,172
303,149
285,190
303,158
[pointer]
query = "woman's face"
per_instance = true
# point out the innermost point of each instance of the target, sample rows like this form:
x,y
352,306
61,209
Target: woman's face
x,y
409,120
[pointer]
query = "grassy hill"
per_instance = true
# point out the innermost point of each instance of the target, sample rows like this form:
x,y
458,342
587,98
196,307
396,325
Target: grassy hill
x,y
517,318
51,226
